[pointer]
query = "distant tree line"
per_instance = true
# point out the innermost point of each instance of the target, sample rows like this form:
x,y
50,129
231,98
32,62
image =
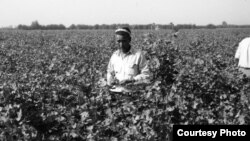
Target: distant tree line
x,y
36,26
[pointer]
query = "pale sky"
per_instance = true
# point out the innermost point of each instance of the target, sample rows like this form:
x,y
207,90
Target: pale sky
x,y
90,12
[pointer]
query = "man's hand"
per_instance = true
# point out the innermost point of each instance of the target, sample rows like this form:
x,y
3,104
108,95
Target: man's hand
x,y
114,81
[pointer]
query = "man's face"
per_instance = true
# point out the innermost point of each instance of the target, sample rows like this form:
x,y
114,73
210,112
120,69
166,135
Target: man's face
x,y
123,42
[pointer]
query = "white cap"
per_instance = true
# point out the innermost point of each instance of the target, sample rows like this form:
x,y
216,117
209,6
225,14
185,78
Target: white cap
x,y
123,30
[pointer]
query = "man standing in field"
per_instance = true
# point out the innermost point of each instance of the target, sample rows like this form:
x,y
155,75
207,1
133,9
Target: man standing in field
x,y
126,65
243,56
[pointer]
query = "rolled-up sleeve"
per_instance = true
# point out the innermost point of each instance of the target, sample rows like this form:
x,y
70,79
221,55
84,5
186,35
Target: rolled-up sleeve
x,y
144,72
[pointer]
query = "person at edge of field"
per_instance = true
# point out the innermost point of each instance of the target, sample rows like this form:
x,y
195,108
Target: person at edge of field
x,y
126,65
243,56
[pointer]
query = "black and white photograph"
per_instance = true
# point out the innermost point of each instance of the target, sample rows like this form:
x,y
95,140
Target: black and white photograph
x,y
124,70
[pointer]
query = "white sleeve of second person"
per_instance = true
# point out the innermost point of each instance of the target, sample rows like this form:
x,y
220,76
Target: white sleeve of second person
x,y
244,53
110,70
237,54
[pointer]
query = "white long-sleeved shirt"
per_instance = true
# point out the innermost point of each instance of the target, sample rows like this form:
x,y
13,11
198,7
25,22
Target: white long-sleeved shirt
x,y
243,53
131,66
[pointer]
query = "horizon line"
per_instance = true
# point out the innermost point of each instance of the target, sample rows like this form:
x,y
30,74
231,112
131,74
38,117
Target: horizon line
x,y
127,24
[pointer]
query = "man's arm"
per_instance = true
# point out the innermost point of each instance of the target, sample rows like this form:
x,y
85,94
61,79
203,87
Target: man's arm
x,y
144,72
